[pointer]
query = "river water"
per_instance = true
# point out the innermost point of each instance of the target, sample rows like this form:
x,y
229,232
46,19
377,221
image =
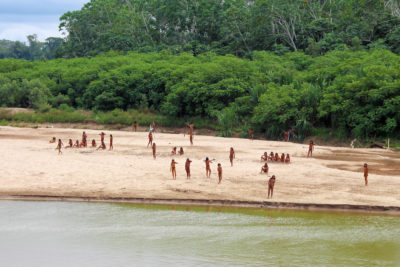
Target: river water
x,y
88,234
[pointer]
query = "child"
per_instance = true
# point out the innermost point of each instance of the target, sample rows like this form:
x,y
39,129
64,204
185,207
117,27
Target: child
x,y
150,139
173,169
271,184
231,155
77,145
187,168
181,151
219,173
310,148
208,168
366,173
93,143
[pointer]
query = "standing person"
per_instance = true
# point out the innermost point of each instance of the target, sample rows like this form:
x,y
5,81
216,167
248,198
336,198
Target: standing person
x,y
251,132
60,144
173,169
154,150
191,138
366,173
208,168
134,126
102,136
265,168
111,142
219,173
310,148
286,136
154,126
231,155
271,184
84,139
150,139
187,168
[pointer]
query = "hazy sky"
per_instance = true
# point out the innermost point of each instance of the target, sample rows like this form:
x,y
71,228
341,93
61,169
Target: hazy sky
x,y
19,18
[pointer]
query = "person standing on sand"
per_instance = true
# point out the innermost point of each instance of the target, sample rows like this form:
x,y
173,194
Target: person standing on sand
x,y
154,150
191,138
231,155
187,168
173,169
154,126
208,168
150,139
111,142
366,173
60,144
271,184
102,137
310,148
134,126
84,139
286,136
219,173
251,132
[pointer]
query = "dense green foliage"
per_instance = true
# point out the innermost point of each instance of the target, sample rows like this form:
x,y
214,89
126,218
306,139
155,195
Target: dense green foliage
x,y
354,93
236,27
34,50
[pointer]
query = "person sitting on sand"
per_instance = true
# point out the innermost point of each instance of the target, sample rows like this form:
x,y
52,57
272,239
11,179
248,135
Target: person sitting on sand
x,y
77,145
271,156
154,150
94,143
366,173
102,146
264,157
231,155
181,151
310,148
219,173
150,139
271,184
283,157
287,160
111,143
70,144
52,140
208,168
265,168
276,157
187,168
173,169
173,152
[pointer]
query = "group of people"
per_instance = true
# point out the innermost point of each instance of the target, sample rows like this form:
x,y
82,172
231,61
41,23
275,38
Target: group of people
x,y
83,142
275,157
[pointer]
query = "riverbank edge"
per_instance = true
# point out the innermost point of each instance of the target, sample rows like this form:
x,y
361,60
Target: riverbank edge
x,y
388,210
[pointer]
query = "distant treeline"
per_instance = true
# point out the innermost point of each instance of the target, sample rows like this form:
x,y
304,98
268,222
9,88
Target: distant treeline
x,y
353,93
34,50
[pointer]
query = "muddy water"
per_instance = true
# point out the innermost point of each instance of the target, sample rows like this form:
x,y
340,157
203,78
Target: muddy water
x,y
82,234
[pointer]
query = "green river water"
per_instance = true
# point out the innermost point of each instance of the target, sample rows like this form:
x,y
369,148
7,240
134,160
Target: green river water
x,y
88,234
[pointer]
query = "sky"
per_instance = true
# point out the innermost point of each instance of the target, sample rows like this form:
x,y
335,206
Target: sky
x,y
19,18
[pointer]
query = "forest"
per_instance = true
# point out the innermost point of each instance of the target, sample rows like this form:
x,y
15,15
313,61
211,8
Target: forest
x,y
354,93
271,65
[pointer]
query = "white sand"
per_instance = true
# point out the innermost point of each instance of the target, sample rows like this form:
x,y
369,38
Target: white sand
x,y
31,166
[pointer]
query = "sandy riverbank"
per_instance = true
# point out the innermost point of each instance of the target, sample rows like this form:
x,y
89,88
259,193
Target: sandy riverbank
x,y
30,166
